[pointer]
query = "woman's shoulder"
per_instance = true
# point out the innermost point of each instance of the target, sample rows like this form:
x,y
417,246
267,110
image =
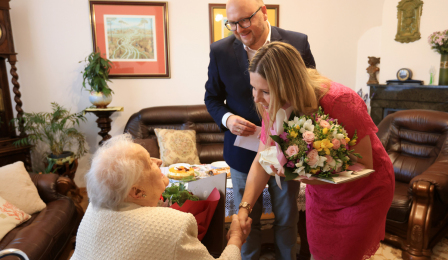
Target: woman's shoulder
x,y
339,92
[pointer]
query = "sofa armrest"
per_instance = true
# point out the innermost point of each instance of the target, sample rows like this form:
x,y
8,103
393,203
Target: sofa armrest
x,y
46,186
67,187
437,175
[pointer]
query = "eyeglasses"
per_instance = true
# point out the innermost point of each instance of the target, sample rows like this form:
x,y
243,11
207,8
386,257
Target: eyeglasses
x,y
243,23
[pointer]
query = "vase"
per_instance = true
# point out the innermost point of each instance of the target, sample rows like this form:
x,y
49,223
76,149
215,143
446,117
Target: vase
x,y
99,99
443,74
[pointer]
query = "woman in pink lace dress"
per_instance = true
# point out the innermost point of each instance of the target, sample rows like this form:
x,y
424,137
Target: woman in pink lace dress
x,y
344,221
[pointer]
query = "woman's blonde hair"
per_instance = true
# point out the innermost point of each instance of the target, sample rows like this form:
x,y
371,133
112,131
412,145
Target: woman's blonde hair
x,y
289,81
116,166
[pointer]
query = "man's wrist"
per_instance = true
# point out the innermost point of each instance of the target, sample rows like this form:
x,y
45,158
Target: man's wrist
x,y
225,117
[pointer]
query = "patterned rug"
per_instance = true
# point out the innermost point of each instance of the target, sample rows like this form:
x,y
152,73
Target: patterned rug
x,y
385,252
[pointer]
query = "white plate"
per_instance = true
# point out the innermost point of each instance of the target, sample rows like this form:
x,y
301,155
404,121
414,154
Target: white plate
x,y
180,164
219,164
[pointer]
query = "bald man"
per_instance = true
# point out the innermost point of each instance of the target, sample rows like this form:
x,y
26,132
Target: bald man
x,y
229,100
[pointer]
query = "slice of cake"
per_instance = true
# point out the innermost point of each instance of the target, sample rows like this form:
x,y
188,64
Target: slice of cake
x,y
180,172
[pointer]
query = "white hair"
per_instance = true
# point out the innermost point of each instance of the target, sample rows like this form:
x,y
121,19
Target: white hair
x,y
116,166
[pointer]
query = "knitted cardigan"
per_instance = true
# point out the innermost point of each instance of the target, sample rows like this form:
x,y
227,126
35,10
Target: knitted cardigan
x,y
135,232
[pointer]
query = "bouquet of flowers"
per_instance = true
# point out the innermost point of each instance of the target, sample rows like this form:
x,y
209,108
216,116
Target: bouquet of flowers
x,y
439,41
314,146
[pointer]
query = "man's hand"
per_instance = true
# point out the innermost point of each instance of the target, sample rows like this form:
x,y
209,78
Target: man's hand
x,y
240,126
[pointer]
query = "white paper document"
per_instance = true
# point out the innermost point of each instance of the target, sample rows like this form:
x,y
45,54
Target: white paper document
x,y
250,142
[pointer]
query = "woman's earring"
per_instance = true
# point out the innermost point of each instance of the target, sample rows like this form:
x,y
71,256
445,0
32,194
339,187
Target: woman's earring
x,y
144,195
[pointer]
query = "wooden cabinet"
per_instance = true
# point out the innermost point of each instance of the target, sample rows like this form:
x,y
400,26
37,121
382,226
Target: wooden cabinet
x,y
8,152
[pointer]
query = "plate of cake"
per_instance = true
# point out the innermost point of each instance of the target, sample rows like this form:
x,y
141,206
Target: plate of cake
x,y
180,171
219,168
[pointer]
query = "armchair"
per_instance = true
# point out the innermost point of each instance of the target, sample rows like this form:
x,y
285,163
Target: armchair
x,y
417,144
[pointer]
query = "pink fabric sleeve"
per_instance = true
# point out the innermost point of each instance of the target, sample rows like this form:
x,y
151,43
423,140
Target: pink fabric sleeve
x,y
262,133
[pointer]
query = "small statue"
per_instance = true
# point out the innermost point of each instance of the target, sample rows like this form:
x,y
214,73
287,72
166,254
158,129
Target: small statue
x,y
372,70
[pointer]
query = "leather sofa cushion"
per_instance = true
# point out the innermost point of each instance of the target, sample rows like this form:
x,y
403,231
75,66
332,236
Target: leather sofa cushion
x,y
401,203
150,145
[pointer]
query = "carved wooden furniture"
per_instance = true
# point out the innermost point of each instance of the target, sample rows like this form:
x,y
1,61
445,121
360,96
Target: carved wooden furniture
x,y
417,144
8,152
386,99
104,120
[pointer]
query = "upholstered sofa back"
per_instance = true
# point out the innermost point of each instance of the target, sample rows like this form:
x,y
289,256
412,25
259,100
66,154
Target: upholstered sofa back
x,y
209,139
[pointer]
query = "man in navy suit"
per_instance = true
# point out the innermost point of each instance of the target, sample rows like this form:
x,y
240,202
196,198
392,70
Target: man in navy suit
x,y
229,100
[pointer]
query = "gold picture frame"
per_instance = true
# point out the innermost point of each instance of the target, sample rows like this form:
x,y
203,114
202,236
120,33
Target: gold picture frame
x,y
217,18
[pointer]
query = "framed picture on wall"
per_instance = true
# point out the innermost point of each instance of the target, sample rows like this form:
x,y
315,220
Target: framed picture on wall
x,y
134,36
218,18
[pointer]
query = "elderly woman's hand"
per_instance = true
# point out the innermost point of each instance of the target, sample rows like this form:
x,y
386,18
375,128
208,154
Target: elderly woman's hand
x,y
235,236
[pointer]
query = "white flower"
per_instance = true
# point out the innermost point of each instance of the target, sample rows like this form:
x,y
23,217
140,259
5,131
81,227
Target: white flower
x,y
308,126
329,166
320,162
300,168
293,122
339,136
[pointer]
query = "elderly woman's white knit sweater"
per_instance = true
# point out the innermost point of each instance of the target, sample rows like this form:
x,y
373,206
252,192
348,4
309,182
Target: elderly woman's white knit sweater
x,y
138,233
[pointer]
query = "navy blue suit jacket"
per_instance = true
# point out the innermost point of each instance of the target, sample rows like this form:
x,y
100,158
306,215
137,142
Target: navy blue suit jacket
x,y
228,80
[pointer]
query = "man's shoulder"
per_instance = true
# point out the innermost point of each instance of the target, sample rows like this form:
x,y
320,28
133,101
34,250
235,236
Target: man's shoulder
x,y
288,33
224,43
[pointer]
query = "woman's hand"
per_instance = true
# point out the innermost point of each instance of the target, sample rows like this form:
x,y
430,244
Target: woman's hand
x,y
281,174
236,236
244,221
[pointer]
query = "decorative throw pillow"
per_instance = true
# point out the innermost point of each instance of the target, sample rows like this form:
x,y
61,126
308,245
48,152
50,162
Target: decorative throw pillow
x,y
10,217
177,146
18,189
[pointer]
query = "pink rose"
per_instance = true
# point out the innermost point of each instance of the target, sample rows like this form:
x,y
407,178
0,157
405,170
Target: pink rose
x,y
336,143
329,159
292,150
313,157
324,124
318,119
343,141
308,137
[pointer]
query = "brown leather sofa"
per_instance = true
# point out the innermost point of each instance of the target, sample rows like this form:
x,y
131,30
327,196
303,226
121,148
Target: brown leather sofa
x,y
417,144
209,139
46,234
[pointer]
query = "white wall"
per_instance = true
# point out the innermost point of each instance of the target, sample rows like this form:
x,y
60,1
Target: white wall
x,y
51,36
417,55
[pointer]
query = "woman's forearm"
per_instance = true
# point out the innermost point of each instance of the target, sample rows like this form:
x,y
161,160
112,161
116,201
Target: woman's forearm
x,y
255,183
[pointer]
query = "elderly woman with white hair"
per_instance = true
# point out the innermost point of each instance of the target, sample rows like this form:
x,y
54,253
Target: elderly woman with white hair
x,y
123,221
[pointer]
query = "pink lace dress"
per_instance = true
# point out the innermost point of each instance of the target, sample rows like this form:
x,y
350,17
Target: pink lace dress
x,y
347,221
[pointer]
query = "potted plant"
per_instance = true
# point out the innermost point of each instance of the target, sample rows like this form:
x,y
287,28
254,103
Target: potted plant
x,y
57,129
439,43
95,78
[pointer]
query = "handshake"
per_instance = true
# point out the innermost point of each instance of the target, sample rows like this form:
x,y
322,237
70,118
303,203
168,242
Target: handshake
x,y
239,230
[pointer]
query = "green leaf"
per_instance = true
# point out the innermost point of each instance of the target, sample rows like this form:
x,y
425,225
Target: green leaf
x,y
276,139
290,175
